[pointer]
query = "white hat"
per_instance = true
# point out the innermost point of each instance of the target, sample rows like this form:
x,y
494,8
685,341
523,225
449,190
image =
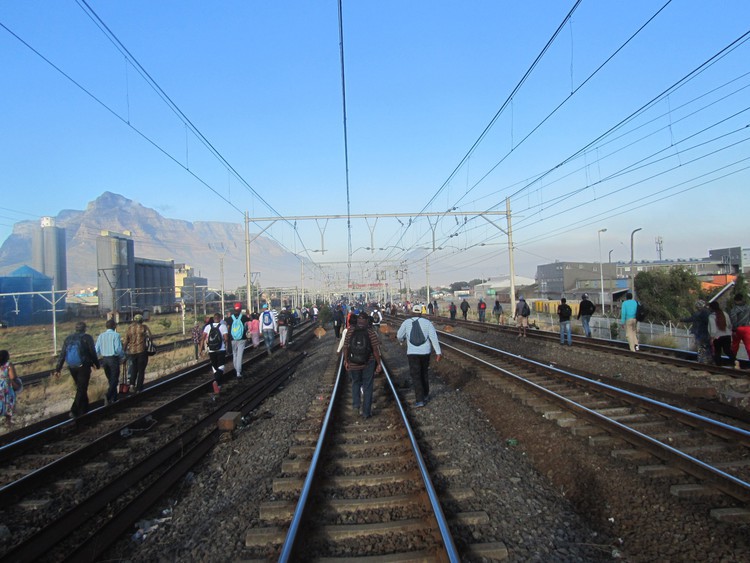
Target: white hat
x,y
416,309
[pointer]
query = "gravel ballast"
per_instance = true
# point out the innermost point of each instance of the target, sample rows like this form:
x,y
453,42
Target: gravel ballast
x,y
548,495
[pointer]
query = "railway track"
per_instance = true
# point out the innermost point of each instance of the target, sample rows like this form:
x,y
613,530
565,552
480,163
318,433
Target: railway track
x,y
661,354
355,487
70,491
699,456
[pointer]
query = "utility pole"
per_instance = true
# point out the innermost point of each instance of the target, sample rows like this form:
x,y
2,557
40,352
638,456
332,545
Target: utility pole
x,y
248,275
659,247
632,261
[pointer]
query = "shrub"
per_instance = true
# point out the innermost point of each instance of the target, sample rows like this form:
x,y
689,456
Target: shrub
x,y
665,341
614,330
166,323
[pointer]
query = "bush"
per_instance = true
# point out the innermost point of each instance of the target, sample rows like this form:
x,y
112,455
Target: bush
x,y
664,341
325,315
614,330
166,323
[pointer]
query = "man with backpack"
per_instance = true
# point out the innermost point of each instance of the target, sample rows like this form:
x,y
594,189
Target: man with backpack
x,y
238,337
134,345
628,318
565,312
421,339
481,309
79,352
452,310
284,321
465,308
585,310
216,339
523,312
268,327
362,361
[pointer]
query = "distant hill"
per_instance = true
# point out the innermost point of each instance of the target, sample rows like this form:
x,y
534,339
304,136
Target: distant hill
x,y
156,237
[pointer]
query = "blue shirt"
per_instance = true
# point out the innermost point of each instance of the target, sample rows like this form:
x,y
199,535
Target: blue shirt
x,y
628,310
109,344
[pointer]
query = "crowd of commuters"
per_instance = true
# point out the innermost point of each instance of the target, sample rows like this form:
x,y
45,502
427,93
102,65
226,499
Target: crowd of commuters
x,y
718,335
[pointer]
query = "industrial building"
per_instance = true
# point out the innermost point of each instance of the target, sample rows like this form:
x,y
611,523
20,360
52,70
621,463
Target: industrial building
x,y
128,285
48,252
25,298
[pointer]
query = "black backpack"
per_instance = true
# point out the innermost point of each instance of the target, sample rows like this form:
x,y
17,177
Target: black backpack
x,y
360,347
214,338
416,337
640,313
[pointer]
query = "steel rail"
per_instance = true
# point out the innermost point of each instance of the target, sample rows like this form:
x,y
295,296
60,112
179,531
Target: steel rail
x,y
27,436
674,356
187,448
445,533
287,551
723,481
718,427
287,548
37,477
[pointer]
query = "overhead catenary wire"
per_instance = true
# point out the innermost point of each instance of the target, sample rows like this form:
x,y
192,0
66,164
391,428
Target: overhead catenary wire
x,y
184,118
504,105
346,141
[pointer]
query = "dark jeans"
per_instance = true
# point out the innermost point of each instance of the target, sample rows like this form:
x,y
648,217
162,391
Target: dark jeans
x,y
453,315
362,380
81,377
111,365
481,313
137,369
465,313
723,344
337,329
418,365
218,359
268,337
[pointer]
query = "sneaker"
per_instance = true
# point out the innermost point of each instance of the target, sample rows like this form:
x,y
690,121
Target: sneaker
x,y
637,348
216,387
419,404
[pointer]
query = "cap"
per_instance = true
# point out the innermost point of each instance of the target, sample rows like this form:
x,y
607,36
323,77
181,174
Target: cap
x,y
416,309
700,303
265,305
237,306
585,295
138,318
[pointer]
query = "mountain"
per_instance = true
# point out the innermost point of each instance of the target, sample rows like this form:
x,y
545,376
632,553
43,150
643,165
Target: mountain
x,y
200,244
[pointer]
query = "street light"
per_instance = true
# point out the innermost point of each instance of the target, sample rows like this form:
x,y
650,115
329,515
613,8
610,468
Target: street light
x,y
632,262
601,270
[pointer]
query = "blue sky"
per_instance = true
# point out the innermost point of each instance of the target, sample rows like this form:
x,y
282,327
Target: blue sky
x,y
640,143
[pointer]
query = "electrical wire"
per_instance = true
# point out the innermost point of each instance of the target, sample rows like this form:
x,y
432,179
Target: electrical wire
x,y
346,142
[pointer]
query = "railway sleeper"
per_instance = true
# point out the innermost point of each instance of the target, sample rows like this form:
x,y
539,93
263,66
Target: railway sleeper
x,y
694,490
733,515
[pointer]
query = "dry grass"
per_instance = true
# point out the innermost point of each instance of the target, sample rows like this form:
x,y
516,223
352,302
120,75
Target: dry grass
x,y
55,395
33,347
